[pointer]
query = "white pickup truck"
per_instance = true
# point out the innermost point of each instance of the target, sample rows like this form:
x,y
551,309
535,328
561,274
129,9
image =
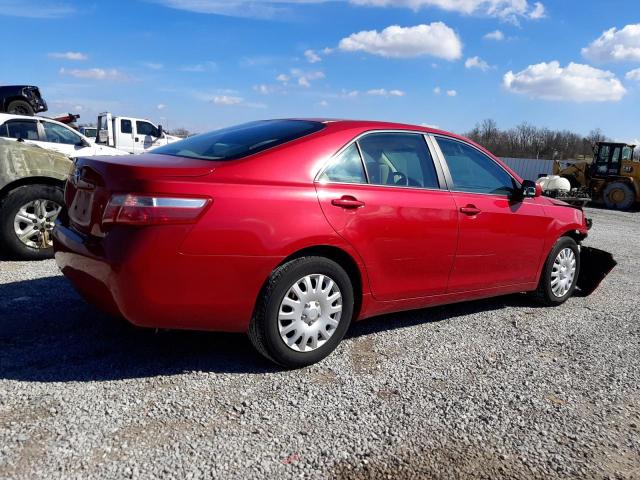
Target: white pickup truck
x,y
133,135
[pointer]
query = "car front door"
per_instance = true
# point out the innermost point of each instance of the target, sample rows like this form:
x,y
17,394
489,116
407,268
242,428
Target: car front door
x,y
64,140
501,237
146,135
383,195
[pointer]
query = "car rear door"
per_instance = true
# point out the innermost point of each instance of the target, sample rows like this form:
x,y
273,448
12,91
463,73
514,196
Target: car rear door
x,y
501,238
383,195
124,135
64,139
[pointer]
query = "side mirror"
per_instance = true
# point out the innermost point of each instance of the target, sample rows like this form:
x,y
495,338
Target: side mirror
x,y
530,189
160,131
83,143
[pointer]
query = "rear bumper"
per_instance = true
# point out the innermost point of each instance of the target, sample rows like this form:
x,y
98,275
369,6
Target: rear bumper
x,y
141,276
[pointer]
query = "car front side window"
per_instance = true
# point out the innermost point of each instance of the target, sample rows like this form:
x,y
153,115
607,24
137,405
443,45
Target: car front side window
x,y
474,172
58,134
146,128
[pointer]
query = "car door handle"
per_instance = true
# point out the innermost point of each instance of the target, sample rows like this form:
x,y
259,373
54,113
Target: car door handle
x,y
470,210
347,201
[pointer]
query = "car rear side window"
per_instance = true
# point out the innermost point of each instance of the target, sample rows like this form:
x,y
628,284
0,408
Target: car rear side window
x,y
345,168
398,159
24,129
125,126
474,172
240,141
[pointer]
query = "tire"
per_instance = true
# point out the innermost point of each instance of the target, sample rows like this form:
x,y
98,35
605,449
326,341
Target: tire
x,y
619,196
267,323
545,293
33,200
20,107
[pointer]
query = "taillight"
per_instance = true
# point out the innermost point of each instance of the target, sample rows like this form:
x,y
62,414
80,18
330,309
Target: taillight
x,y
133,209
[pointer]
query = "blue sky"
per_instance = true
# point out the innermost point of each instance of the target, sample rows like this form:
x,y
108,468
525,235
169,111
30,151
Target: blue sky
x,y
203,64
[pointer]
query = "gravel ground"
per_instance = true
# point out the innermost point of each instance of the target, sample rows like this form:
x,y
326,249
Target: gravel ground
x,y
488,389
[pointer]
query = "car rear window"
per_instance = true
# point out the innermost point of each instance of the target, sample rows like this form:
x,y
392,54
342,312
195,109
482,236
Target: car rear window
x,y
240,141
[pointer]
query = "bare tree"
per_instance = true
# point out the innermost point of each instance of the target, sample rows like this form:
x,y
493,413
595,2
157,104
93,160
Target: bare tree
x,y
528,141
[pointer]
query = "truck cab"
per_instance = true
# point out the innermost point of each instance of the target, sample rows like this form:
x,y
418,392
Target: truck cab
x,y
133,135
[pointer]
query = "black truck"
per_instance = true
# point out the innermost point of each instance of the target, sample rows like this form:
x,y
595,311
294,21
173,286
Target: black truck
x,y
21,100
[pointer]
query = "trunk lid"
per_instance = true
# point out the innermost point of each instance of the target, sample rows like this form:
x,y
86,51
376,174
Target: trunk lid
x,y
94,179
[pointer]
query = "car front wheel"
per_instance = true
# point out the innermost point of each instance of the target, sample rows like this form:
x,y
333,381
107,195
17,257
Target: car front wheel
x,y
303,313
560,274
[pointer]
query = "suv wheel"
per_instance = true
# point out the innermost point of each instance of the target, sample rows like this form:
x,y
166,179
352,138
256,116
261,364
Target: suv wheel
x,y
27,217
303,312
20,107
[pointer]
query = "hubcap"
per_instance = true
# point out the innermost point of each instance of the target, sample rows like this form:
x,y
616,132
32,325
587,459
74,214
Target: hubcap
x,y
310,313
34,223
563,272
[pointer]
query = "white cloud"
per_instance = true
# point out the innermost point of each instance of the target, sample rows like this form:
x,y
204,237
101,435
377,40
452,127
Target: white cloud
x,y
633,75
35,9
435,39
437,90
538,11
508,10
496,35
615,45
477,62
264,89
574,83
383,92
452,93
323,103
227,100
95,73
161,106
75,56
200,67
153,65
237,8
312,57
303,78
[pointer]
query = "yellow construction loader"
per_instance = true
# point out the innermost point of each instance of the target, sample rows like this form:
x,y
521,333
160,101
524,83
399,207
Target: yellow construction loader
x,y
612,178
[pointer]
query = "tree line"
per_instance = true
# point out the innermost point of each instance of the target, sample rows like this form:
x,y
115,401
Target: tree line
x,y
528,141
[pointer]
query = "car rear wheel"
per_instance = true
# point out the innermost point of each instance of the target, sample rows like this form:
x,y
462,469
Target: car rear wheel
x,y
618,195
303,312
27,217
560,274
20,107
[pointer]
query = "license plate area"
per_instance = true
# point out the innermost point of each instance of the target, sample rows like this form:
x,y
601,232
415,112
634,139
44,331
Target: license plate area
x,y
80,209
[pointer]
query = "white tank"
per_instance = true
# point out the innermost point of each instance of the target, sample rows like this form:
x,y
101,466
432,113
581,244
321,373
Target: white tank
x,y
554,182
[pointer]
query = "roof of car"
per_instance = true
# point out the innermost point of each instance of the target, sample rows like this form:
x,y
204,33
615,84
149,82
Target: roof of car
x,y
375,125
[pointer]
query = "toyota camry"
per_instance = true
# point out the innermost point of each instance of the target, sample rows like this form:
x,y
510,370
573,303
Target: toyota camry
x,y
292,229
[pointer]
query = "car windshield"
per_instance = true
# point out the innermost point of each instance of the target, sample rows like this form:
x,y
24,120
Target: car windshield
x,y
240,141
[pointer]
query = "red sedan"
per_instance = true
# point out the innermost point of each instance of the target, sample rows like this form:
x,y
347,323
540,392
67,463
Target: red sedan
x,y
292,229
